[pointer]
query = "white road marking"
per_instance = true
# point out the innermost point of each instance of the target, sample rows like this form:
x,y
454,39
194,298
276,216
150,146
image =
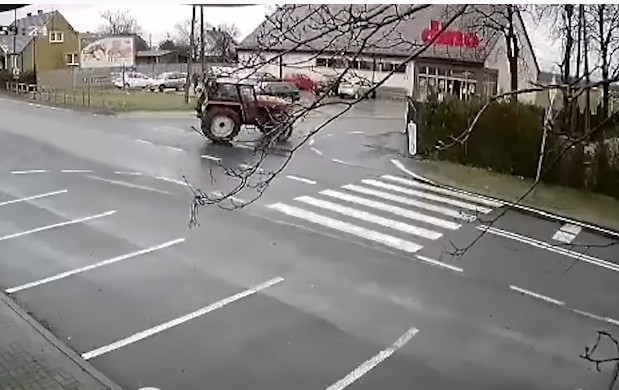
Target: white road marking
x,y
445,191
536,295
311,142
372,235
243,146
567,233
93,266
369,217
439,263
55,225
596,317
76,171
318,152
551,248
425,195
336,160
543,213
411,202
392,209
28,198
129,185
29,171
174,148
128,173
301,179
355,132
212,158
180,320
144,141
171,180
369,364
251,167
220,194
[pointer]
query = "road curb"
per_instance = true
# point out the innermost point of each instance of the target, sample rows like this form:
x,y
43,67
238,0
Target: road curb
x,y
607,232
68,352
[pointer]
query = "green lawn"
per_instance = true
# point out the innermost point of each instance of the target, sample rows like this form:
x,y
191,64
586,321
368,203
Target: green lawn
x,y
115,100
581,205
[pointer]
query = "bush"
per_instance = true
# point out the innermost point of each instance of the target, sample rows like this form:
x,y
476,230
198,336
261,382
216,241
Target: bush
x,y
505,139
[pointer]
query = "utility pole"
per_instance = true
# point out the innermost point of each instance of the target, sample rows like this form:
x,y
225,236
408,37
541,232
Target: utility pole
x,y
201,40
191,51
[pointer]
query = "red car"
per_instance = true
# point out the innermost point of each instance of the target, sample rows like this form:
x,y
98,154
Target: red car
x,y
302,82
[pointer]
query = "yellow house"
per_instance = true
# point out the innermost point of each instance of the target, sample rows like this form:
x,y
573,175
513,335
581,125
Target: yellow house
x,y
45,41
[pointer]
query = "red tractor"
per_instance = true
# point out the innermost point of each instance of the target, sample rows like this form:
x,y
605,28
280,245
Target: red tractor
x,y
226,104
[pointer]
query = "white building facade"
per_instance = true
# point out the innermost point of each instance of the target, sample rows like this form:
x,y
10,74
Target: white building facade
x,y
460,61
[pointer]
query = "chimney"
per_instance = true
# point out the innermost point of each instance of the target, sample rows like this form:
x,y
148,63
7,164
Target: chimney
x,y
39,11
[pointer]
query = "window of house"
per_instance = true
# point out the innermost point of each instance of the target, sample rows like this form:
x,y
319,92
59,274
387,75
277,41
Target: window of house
x,y
321,61
72,59
56,37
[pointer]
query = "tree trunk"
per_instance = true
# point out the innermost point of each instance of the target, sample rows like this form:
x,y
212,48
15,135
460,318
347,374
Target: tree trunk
x,y
512,49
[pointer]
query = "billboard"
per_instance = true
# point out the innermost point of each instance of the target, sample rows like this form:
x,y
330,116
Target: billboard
x,y
111,52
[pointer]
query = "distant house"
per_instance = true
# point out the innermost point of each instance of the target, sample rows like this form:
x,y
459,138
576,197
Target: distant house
x,y
44,41
157,57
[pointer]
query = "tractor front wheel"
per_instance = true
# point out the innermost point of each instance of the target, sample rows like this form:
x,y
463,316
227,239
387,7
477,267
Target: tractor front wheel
x,y
220,124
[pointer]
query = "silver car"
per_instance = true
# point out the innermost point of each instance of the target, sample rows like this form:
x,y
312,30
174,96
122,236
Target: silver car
x,y
175,80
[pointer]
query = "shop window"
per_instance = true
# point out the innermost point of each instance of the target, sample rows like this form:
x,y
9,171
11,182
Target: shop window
x,y
322,62
366,65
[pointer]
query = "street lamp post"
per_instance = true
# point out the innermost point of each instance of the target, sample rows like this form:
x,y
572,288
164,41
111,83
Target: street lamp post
x,y
552,93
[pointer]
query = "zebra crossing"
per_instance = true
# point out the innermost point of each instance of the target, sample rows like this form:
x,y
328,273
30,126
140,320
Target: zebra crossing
x,y
392,211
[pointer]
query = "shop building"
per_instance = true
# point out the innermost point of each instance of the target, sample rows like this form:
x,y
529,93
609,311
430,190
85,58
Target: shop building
x,y
466,59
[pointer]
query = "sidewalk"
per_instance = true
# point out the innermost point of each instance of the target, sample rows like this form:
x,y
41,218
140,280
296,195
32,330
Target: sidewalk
x,y
31,358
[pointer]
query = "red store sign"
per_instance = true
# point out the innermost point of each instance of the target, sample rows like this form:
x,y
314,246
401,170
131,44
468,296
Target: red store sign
x,y
449,37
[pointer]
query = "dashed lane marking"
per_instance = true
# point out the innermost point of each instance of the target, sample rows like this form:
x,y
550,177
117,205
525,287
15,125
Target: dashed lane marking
x,y
129,185
28,171
549,247
180,320
76,171
212,158
318,152
128,173
29,198
93,266
171,180
174,148
56,225
437,263
369,364
301,179
537,296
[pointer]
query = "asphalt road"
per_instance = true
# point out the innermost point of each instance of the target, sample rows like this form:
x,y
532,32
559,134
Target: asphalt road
x,y
345,273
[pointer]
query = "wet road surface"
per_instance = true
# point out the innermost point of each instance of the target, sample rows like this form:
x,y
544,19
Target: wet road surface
x,y
343,274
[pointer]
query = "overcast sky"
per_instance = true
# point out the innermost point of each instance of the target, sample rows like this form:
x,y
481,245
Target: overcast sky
x,y
158,19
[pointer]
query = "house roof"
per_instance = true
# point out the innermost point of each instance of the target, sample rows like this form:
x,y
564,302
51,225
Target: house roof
x,y
301,28
38,19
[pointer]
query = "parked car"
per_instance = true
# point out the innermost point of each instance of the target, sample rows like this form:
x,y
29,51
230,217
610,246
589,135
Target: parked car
x,y
303,82
280,89
133,80
175,80
328,86
355,87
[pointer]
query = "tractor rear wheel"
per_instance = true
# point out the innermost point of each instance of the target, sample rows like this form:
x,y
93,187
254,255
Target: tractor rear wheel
x,y
220,124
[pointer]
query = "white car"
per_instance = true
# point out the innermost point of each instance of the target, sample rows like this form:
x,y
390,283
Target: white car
x,y
133,80
174,80
354,87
